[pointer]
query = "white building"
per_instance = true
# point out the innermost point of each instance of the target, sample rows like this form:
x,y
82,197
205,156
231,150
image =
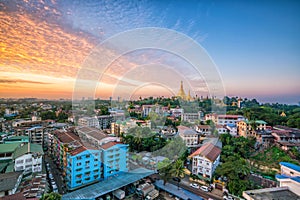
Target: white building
x,y
191,117
28,158
289,177
205,160
176,112
146,109
89,121
229,119
189,136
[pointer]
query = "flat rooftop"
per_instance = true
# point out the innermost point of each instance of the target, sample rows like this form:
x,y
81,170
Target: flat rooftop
x,y
278,193
109,185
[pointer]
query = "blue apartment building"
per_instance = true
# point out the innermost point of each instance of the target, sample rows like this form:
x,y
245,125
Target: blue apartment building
x,y
83,168
114,158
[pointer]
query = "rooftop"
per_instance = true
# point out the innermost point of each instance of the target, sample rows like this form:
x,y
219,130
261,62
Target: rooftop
x,y
182,193
93,132
278,193
108,145
109,185
9,180
15,196
230,116
33,148
291,166
208,150
78,150
66,137
4,148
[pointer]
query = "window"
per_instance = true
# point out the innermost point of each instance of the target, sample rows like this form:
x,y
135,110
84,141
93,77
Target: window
x,y
78,157
79,176
28,160
78,164
78,182
87,156
20,161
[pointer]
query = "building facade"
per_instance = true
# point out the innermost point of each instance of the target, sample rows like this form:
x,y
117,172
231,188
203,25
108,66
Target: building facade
x,y
114,157
189,136
84,167
205,160
29,158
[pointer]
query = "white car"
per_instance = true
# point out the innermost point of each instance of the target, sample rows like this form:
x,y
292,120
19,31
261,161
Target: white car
x,y
228,197
194,185
204,188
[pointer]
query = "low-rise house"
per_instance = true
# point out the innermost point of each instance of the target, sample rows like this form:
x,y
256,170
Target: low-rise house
x,y
28,158
203,129
229,119
205,160
191,117
176,112
286,137
189,136
232,129
246,128
222,129
9,183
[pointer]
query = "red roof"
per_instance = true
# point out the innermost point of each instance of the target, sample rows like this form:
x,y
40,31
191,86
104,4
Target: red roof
x,y
229,116
67,137
183,127
208,150
109,144
78,150
15,196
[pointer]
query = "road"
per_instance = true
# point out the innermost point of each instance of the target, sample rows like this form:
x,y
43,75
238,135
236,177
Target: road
x,y
57,176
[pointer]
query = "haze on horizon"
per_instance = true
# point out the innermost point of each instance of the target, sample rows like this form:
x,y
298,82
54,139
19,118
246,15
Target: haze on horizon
x,y
255,45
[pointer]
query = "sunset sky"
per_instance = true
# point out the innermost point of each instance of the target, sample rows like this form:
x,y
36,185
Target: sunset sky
x,y
254,44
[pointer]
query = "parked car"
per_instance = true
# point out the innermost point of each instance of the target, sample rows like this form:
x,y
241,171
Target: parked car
x,y
225,197
194,185
54,187
204,188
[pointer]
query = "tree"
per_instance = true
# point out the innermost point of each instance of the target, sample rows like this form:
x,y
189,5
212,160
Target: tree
x,y
51,196
177,170
164,169
236,170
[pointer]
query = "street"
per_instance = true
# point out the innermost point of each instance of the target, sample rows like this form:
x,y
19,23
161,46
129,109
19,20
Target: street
x,y
57,176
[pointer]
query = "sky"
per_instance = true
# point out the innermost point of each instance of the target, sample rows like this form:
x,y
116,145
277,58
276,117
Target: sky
x,y
255,46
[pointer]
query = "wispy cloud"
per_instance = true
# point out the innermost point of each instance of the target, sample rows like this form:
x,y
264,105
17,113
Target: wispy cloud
x,y
20,81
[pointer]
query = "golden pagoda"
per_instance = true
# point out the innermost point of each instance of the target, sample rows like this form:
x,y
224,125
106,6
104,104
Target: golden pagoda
x,y
189,98
181,92
283,114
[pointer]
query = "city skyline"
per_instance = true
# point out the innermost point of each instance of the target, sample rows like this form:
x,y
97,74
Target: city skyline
x,y
255,45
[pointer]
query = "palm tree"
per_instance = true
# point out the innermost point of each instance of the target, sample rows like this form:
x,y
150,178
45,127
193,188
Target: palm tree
x,y
138,137
177,170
